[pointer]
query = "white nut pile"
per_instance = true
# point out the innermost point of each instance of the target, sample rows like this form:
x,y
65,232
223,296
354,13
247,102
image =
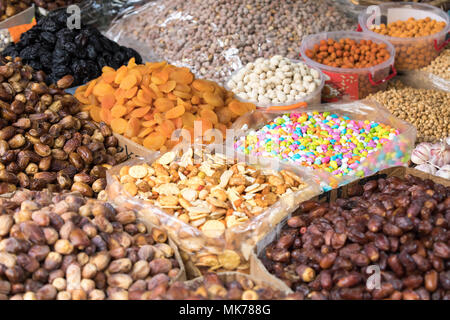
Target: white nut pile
x,y
276,80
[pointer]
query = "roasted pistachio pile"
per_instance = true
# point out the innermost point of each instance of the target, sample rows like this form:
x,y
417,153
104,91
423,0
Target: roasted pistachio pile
x,y
67,247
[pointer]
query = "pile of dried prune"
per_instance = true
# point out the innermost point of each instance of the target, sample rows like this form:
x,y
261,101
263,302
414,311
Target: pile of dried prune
x,y
52,47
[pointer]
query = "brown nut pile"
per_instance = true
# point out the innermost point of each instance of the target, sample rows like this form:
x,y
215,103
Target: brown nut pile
x,y
68,247
215,287
46,141
211,196
428,110
441,65
216,37
399,225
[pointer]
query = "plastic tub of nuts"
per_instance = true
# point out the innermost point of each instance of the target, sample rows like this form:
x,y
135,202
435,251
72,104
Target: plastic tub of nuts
x,y
412,28
215,207
354,64
277,83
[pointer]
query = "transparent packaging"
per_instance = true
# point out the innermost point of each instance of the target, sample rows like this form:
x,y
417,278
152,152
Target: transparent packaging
x,y
346,83
395,152
311,98
215,38
411,53
205,250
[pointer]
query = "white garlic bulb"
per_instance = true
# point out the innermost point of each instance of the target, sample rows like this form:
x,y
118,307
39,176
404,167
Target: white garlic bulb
x,y
428,168
440,154
444,172
422,153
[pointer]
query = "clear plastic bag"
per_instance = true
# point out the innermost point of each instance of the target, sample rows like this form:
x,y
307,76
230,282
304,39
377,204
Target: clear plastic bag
x,y
424,80
204,250
394,153
217,37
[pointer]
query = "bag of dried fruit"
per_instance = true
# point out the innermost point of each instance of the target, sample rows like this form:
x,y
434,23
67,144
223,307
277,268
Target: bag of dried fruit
x,y
214,38
214,206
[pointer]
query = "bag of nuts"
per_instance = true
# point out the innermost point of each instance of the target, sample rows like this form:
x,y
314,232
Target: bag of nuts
x,y
307,137
217,37
214,207
68,247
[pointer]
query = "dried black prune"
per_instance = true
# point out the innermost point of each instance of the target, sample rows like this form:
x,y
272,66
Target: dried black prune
x,y
48,37
91,53
52,47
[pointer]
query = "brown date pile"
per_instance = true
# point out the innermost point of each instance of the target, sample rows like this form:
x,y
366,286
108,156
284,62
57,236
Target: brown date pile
x,y
67,247
399,225
218,287
46,141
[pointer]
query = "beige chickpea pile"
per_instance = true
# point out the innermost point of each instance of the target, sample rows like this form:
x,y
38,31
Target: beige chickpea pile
x,y
441,65
427,110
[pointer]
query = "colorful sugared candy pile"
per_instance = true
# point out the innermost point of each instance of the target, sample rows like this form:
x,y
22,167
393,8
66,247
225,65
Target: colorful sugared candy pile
x,y
320,140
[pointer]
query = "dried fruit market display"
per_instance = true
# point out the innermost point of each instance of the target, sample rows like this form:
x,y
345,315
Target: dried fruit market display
x,y
129,172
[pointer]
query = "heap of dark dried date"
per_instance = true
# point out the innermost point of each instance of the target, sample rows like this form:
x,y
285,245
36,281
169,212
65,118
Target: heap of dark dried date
x,y
397,226
82,52
46,141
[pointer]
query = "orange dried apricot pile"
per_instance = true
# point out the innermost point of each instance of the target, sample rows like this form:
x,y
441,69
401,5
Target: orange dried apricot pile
x,y
147,103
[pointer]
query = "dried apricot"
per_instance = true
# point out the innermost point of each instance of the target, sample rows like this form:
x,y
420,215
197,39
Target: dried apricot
x,y
182,87
133,126
89,88
95,114
210,115
237,107
80,97
148,123
105,115
160,77
108,77
166,128
181,94
175,112
130,93
224,114
213,99
120,74
188,119
202,85
118,111
108,101
163,104
181,76
140,112
128,82
106,69
168,86
102,89
119,125
144,132
154,141
144,96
